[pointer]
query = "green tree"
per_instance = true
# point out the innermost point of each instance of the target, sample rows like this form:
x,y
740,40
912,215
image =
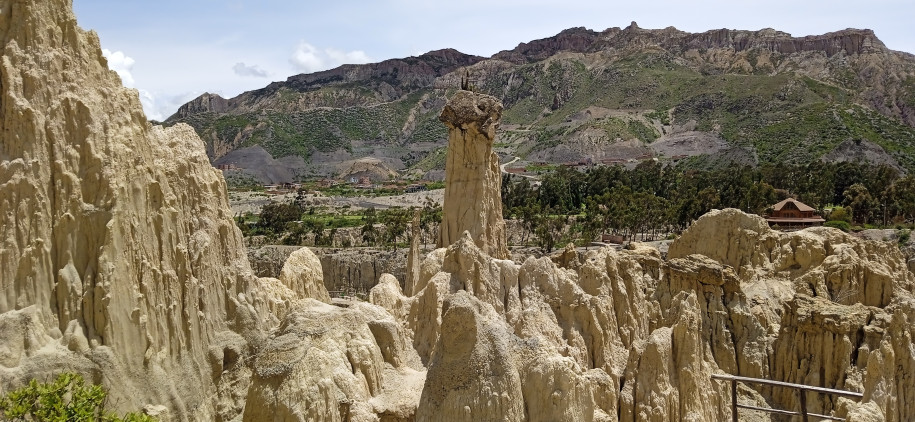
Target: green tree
x,y
902,198
395,220
276,215
840,214
430,219
369,232
759,197
548,228
859,199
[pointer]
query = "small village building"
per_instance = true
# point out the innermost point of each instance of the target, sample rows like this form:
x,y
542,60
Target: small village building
x,y
792,214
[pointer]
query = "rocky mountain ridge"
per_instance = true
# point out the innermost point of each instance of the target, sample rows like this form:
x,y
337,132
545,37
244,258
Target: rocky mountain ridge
x,y
385,81
582,40
588,96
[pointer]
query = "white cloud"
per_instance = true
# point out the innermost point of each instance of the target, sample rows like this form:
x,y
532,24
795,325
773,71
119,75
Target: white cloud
x,y
122,64
159,106
307,58
354,57
254,71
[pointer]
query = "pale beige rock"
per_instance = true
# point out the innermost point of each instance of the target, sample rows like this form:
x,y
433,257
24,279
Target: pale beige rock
x,y
429,267
821,261
473,179
494,281
112,231
327,363
653,332
472,375
387,294
424,317
321,360
413,261
119,259
303,275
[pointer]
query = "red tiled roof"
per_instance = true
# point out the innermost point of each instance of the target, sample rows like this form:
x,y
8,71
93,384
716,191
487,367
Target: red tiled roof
x,y
800,205
796,220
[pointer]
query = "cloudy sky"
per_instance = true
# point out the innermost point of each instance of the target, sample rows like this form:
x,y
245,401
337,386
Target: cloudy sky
x,y
175,50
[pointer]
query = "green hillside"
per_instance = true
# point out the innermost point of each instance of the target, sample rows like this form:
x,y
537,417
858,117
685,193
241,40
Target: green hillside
x,y
777,107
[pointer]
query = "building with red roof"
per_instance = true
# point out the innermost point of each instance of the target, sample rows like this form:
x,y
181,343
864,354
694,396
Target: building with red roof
x,y
792,214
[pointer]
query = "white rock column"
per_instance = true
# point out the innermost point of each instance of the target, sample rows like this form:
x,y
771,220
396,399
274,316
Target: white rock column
x,y
472,178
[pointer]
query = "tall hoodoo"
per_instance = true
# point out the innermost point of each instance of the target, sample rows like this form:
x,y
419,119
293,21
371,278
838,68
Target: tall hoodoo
x,y
472,180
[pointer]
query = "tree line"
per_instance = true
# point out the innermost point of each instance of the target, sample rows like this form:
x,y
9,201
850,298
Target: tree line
x,y
292,223
649,201
655,199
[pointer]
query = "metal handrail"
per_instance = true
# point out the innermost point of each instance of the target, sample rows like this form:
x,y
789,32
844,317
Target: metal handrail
x,y
799,387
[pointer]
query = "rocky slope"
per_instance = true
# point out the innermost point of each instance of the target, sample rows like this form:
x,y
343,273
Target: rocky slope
x,y
627,336
593,96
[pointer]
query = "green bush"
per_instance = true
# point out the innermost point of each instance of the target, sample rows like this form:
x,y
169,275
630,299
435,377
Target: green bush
x,y
904,236
840,214
838,224
66,399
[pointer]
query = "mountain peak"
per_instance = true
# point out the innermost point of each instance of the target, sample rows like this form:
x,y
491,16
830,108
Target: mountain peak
x,y
203,104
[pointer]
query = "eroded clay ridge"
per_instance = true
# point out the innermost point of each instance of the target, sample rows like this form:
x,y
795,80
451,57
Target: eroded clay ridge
x,y
609,335
119,257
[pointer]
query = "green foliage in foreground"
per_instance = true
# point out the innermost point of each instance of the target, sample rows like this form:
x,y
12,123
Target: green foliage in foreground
x,y
66,399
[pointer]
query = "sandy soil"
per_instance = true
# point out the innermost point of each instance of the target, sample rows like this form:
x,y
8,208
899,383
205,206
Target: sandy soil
x,y
415,199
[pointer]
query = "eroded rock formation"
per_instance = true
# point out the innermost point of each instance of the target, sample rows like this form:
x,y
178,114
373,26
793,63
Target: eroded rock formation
x,y
626,335
120,260
119,257
473,180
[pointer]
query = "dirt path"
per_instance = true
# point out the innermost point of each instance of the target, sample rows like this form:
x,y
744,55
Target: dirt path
x,y
503,166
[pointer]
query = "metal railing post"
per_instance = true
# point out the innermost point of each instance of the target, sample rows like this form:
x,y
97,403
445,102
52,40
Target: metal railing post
x,y
734,400
803,395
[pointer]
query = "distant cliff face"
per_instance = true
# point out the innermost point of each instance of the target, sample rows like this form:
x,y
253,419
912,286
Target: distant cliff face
x,y
581,40
376,83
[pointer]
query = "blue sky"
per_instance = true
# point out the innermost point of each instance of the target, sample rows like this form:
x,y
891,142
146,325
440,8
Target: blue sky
x,y
173,51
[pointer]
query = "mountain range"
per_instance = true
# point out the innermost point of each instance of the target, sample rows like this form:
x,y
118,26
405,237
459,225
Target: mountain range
x,y
717,98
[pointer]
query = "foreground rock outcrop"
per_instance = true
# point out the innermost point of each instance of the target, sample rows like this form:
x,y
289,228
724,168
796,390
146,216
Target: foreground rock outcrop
x,y
119,257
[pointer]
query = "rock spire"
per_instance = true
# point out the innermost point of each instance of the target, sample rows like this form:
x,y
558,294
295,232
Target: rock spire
x,y
472,180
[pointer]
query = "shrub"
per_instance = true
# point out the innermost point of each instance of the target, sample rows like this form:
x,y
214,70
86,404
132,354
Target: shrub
x,y
67,398
276,215
840,214
904,236
841,225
